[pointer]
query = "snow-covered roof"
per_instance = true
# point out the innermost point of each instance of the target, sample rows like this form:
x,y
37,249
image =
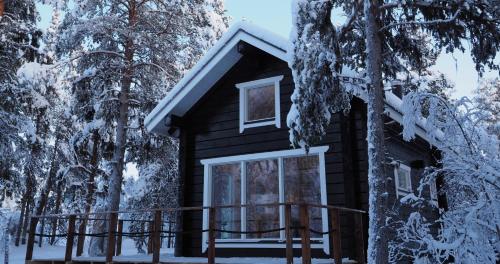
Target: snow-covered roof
x,y
218,60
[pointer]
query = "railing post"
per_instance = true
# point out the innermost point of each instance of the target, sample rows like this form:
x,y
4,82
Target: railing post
x,y
70,238
336,236
119,238
305,234
211,235
156,237
169,240
150,237
31,239
113,219
81,236
288,234
359,238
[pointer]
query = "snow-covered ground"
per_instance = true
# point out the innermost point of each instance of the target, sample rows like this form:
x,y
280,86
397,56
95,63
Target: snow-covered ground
x,y
17,255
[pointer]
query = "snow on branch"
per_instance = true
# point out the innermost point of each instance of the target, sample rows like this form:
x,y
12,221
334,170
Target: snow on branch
x,y
426,23
469,170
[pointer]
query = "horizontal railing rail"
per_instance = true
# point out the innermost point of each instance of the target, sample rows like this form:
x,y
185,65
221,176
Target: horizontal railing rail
x,y
153,230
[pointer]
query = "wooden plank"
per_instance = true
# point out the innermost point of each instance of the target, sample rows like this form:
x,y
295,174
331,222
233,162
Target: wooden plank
x,y
336,236
119,238
305,234
156,236
288,234
211,236
31,239
113,219
359,238
81,237
70,238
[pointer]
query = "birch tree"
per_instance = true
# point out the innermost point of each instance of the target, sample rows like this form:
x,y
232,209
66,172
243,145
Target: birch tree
x,y
379,40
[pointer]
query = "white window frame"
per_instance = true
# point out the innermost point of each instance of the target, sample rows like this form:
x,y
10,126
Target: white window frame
x,y
402,191
322,242
244,87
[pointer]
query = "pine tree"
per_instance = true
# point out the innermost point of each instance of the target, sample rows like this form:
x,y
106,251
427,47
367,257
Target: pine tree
x,y
380,39
126,56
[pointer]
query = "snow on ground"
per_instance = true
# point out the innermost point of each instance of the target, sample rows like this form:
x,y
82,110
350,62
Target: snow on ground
x,y
17,255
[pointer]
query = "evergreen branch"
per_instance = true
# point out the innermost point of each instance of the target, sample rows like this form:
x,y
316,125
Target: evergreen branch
x,y
423,23
352,17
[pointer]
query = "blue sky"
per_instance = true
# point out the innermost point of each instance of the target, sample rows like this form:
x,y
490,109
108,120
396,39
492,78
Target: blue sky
x,y
275,15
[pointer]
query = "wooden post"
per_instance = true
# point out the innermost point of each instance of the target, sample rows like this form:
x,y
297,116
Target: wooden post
x,y
359,238
336,236
42,226
150,237
31,240
169,239
119,238
211,235
156,237
305,234
288,234
70,239
113,219
81,236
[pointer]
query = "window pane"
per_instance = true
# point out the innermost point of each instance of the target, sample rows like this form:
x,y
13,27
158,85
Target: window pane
x,y
403,179
260,103
302,184
262,188
227,191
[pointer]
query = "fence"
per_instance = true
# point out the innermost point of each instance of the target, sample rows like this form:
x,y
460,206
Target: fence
x,y
156,234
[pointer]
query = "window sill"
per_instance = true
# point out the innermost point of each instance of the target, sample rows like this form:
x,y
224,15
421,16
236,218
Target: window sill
x,y
259,124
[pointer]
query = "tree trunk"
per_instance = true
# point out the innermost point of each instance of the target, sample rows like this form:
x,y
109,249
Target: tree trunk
x,y
90,185
115,182
20,222
56,210
377,239
2,7
27,214
44,194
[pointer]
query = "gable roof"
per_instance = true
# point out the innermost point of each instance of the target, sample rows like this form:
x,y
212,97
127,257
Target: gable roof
x,y
222,57
211,67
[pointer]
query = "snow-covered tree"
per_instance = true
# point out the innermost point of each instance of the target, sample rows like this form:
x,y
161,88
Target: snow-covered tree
x,y
379,39
487,98
18,44
469,228
126,55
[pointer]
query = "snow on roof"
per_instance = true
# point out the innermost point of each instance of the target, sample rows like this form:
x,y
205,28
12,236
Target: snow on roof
x,y
220,58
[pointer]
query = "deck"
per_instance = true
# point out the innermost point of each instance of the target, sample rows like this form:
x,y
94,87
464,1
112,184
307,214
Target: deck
x,y
159,229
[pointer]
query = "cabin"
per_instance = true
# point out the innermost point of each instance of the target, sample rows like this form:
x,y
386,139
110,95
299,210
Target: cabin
x,y
229,113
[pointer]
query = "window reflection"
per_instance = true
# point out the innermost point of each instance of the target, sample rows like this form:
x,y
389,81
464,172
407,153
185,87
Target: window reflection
x,y
227,191
262,188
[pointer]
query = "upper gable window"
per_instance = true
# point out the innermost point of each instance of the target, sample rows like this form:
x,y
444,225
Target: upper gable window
x,y
260,103
402,173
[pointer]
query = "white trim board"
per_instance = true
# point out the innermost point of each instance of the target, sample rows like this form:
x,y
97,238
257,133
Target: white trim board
x,y
279,155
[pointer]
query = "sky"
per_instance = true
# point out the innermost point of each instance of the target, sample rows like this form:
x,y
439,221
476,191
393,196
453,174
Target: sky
x,y
275,15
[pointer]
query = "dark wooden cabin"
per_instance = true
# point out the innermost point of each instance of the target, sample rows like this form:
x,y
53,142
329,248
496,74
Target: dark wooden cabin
x,y
230,112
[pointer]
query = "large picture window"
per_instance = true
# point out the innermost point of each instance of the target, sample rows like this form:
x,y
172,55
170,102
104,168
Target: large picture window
x,y
260,103
265,178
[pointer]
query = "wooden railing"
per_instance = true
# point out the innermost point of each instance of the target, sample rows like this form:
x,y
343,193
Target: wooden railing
x,y
114,232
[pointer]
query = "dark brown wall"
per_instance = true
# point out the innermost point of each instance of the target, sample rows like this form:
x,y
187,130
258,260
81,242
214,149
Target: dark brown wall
x,y
212,130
